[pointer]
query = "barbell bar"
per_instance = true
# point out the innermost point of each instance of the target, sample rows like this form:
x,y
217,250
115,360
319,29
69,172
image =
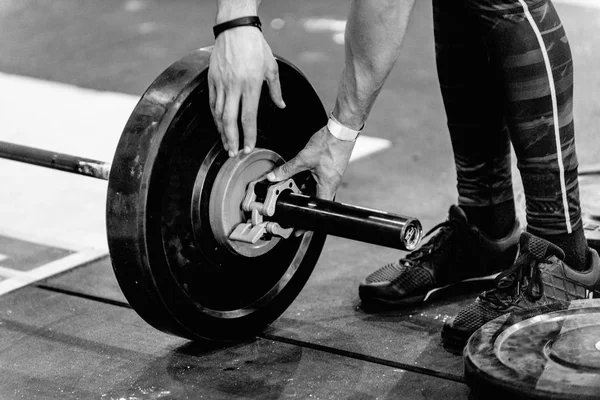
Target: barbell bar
x,y
292,209
54,160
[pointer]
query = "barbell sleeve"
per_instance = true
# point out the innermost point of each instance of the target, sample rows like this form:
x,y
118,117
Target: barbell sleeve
x,y
348,221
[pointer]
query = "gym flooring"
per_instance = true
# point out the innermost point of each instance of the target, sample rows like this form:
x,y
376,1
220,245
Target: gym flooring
x,y
70,74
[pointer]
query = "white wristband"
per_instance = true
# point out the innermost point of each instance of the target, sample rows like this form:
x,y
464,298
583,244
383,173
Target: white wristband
x,y
340,131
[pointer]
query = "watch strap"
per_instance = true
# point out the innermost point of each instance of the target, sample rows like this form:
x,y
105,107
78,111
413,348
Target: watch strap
x,y
340,131
234,23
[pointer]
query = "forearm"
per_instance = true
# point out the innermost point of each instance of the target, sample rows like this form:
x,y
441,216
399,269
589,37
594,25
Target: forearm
x,y
230,9
374,35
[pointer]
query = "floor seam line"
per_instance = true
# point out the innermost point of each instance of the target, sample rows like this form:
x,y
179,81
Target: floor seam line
x,y
83,295
363,357
300,343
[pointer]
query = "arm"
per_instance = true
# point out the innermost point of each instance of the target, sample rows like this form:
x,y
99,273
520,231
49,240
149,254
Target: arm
x,y
241,60
231,9
374,35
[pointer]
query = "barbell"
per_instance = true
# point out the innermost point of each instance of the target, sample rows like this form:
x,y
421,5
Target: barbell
x,y
201,247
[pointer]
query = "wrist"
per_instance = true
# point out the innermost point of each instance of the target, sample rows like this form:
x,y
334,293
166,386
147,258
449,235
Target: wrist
x,y
348,118
341,131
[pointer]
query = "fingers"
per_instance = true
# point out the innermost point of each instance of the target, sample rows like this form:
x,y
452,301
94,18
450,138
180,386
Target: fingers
x,y
325,192
295,166
272,77
286,170
240,62
217,100
225,108
230,133
212,95
249,114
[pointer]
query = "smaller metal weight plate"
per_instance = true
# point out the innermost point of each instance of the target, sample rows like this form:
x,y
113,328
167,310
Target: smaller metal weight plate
x,y
549,352
227,195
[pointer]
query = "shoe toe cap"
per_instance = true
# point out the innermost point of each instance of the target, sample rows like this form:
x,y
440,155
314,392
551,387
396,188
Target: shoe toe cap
x,y
373,291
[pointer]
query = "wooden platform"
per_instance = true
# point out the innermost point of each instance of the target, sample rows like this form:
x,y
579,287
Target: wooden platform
x,y
75,337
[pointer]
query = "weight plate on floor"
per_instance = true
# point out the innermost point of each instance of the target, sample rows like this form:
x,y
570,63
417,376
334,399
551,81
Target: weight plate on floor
x,y
549,352
169,265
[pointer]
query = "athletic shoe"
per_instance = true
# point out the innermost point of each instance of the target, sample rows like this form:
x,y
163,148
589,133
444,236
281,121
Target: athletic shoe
x,y
539,277
456,253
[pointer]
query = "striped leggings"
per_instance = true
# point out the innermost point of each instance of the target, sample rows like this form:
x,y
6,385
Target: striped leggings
x,y
506,76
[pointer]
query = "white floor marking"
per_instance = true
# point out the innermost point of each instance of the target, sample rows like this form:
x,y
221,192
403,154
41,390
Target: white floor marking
x,y
366,145
59,206
324,24
336,26
17,279
33,237
59,209
12,273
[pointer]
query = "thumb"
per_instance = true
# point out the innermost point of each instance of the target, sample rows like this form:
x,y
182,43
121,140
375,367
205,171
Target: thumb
x,y
324,192
285,171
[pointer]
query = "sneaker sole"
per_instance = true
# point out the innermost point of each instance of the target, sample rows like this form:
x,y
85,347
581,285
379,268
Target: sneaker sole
x,y
425,297
454,341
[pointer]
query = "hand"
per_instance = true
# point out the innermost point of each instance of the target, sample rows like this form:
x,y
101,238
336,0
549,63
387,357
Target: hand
x,y
325,156
241,60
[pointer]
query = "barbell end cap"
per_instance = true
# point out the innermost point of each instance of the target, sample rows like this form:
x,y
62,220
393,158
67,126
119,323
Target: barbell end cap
x,y
411,235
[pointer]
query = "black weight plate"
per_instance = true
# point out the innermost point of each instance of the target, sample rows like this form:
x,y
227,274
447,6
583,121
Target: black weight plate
x,y
178,279
550,352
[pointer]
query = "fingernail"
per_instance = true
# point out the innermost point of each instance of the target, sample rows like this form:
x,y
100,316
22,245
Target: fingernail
x,y
283,103
231,153
247,149
271,176
225,147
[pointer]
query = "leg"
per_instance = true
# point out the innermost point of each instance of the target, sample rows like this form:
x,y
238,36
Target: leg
x,y
528,45
474,110
533,62
480,237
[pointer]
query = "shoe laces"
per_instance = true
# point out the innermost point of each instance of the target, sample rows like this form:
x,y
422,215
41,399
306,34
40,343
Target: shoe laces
x,y
443,231
522,280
